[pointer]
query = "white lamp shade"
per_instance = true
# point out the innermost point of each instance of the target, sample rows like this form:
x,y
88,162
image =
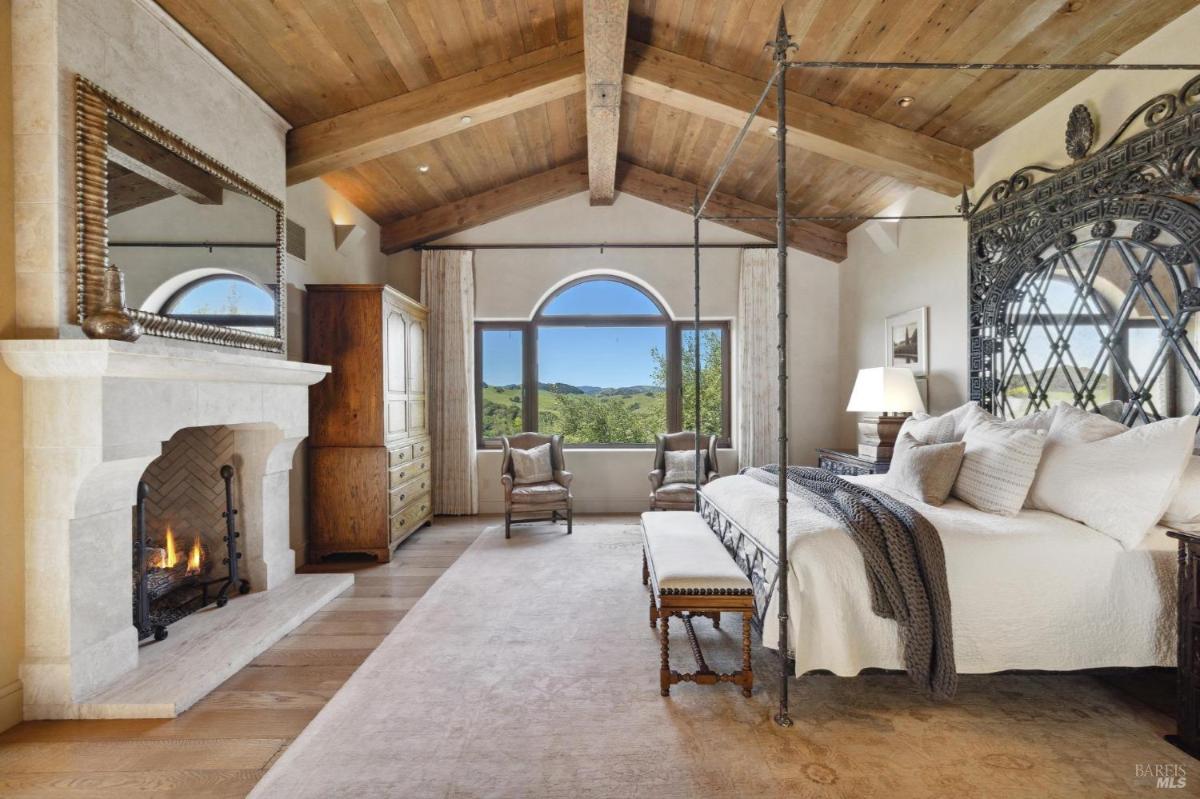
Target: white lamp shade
x,y
885,389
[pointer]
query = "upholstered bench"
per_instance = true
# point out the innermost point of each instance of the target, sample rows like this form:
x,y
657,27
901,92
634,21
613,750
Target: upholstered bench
x,y
691,574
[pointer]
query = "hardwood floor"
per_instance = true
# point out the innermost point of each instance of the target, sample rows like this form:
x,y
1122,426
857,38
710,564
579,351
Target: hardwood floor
x,y
222,745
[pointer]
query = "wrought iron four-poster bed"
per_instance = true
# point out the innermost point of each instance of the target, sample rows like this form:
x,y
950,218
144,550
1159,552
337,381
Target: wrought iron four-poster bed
x,y
1138,194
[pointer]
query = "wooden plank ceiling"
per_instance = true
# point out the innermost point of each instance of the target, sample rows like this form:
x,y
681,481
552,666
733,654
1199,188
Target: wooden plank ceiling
x,y
435,115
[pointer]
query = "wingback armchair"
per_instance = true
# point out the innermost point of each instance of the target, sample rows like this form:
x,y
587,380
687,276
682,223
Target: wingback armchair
x,y
680,496
552,497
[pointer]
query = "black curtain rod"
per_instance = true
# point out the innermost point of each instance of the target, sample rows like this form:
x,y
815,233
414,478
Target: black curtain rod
x,y
985,66
595,246
208,245
832,218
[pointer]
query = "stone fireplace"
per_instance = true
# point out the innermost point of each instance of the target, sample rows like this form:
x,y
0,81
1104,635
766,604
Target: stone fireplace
x,y
99,417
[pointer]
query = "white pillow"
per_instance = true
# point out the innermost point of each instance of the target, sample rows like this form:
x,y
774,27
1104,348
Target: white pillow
x,y
998,466
681,466
1184,511
1075,425
965,416
926,429
532,465
1120,485
950,426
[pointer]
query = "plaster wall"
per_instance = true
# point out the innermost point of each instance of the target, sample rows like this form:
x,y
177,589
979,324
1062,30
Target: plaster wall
x,y
510,284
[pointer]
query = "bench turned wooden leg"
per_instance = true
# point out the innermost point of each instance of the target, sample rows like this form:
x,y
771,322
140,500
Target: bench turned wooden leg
x,y
664,672
645,569
653,612
716,620
747,671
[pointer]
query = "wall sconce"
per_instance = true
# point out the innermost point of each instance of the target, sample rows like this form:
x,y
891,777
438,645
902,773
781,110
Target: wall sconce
x,y
346,234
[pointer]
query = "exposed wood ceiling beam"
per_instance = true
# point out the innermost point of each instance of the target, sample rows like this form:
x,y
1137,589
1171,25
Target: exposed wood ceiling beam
x,y
716,93
437,110
129,190
155,163
604,25
571,179
680,194
489,206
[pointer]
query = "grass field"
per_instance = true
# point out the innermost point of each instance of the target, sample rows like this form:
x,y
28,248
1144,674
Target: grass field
x,y
581,418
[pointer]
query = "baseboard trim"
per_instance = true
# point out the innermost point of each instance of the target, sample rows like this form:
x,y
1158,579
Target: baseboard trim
x,y
11,696
617,505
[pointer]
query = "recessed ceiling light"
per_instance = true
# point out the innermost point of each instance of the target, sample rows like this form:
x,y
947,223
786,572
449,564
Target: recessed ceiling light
x,y
466,120
905,102
774,131
423,168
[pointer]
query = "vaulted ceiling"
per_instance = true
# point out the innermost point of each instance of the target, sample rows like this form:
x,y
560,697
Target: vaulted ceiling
x,y
437,115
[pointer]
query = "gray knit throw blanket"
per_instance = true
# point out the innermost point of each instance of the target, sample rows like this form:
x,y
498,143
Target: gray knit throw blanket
x,y
906,567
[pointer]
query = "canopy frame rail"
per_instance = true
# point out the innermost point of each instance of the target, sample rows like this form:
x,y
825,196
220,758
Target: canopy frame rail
x,y
780,48
988,67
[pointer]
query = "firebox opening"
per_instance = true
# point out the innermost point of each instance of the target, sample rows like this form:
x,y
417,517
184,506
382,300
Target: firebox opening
x,y
185,539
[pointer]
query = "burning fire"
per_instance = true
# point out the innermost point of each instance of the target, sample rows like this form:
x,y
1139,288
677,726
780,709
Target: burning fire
x,y
171,557
193,564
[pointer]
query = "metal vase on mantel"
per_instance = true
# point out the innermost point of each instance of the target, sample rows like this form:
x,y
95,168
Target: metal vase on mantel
x,y
111,320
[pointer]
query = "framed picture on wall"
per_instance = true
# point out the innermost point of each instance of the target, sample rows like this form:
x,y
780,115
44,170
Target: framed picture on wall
x,y
906,340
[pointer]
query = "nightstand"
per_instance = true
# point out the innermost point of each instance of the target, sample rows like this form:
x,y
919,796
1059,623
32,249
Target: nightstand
x,y
849,463
1187,706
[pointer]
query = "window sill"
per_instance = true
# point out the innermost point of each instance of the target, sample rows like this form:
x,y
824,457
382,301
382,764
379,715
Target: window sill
x,y
615,449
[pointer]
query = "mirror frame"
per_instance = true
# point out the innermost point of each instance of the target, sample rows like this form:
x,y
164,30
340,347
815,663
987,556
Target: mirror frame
x,y
93,108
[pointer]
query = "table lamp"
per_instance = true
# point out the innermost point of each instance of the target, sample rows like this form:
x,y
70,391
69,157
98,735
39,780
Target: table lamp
x,y
892,394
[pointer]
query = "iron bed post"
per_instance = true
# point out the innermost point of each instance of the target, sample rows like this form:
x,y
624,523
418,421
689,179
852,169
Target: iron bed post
x,y
783,42
696,342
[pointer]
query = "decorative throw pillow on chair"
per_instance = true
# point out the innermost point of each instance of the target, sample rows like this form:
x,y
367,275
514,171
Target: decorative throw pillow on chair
x,y
532,465
681,466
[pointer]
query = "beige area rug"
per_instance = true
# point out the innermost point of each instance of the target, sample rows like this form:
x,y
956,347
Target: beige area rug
x,y
529,670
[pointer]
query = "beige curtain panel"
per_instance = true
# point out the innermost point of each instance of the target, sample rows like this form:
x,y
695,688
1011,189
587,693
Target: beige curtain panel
x,y
757,434
448,289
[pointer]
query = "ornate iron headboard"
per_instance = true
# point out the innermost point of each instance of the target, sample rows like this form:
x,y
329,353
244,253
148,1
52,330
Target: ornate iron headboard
x,y
1083,280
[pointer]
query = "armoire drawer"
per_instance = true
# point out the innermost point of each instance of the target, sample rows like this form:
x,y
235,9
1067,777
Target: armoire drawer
x,y
408,493
420,448
402,523
399,455
405,472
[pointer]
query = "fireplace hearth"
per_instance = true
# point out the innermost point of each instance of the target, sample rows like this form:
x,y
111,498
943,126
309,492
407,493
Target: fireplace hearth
x,y
172,577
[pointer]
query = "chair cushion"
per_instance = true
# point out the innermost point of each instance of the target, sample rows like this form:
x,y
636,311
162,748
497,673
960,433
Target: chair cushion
x,y
676,492
688,556
531,465
539,493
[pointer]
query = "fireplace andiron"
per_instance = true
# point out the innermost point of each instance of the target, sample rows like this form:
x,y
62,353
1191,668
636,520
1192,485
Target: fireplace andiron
x,y
231,538
146,625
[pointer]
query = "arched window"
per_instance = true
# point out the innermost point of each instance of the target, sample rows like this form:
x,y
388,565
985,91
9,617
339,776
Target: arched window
x,y
602,363
225,299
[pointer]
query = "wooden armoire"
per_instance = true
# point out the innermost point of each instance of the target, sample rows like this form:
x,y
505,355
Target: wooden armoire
x,y
368,443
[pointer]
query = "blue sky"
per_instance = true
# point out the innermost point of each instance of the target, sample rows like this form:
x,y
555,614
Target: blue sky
x,y
607,297
215,294
609,357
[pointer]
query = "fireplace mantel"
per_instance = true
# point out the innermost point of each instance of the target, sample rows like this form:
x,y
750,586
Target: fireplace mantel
x,y
73,359
96,413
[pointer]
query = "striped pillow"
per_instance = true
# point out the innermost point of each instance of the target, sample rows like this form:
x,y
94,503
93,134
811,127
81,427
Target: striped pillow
x,y
998,466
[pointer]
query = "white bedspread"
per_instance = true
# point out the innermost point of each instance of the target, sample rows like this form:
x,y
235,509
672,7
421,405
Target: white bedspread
x,y
1034,591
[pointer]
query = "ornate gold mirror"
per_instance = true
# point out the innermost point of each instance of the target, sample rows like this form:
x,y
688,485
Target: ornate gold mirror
x,y
201,248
